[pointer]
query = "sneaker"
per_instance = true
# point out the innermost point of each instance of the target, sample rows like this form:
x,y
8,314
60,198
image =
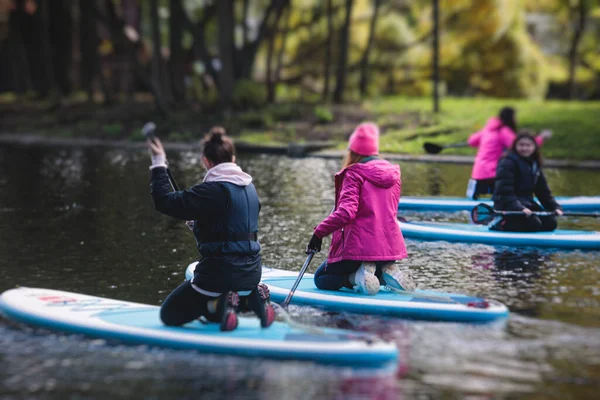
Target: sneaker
x,y
397,280
365,279
259,301
227,309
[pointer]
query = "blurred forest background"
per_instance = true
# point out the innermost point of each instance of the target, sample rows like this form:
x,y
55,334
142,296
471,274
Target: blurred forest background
x,y
102,67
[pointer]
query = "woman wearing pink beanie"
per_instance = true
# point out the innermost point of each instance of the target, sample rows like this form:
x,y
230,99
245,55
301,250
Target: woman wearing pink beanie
x,y
366,237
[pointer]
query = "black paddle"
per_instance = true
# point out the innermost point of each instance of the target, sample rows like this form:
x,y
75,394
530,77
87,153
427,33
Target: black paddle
x,y
287,300
482,214
433,148
149,132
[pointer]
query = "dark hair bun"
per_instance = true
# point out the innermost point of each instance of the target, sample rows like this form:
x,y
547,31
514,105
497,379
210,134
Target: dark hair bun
x,y
216,137
217,146
216,134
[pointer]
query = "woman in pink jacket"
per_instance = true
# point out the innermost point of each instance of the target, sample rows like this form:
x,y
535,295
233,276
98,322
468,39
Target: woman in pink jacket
x,y
498,135
366,237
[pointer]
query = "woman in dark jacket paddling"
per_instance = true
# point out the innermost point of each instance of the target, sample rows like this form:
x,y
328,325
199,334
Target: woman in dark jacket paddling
x,y
519,177
223,212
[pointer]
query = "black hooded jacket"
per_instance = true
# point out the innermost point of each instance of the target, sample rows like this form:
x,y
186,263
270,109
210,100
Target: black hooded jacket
x,y
517,180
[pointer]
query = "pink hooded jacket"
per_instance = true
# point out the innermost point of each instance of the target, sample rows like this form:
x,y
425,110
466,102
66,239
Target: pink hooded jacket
x,y
492,140
364,224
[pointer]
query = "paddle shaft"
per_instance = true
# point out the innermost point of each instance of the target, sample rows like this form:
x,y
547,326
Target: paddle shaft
x,y
287,300
566,214
172,181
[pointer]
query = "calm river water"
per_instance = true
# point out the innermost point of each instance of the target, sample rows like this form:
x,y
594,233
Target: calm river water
x,y
82,220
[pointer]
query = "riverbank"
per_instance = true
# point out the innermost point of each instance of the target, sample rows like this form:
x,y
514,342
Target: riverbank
x,y
406,124
314,149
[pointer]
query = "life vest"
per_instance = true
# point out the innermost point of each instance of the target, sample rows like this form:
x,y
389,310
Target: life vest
x,y
237,231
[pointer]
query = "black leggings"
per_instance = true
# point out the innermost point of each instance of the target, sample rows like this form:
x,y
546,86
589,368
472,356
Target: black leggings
x,y
334,276
522,223
184,305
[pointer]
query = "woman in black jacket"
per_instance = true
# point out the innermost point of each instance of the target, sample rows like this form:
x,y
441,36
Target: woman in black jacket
x,y
518,177
222,211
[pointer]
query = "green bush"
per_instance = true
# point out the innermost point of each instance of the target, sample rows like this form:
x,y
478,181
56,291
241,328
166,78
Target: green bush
x,y
181,136
113,130
256,120
136,136
323,115
249,94
287,112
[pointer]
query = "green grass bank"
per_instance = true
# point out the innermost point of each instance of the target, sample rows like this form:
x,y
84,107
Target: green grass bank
x,y
576,125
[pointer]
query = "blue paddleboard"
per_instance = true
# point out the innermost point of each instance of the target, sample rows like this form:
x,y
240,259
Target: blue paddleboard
x,y
140,324
452,204
420,304
567,239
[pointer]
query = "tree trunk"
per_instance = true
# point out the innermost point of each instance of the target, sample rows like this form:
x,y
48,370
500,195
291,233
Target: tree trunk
x,y
328,50
581,11
245,38
246,57
364,62
226,49
177,57
338,94
270,53
17,54
436,55
50,86
60,40
31,32
199,46
282,52
116,26
157,62
88,43
132,17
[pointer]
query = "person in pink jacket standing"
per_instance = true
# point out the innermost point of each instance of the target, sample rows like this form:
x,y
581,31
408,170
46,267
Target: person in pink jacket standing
x,y
497,136
366,237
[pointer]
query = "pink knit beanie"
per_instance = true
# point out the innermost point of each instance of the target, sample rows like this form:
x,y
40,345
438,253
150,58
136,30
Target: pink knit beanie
x,y
365,139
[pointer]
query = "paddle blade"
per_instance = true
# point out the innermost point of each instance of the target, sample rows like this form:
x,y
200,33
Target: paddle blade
x,y
148,130
432,148
482,214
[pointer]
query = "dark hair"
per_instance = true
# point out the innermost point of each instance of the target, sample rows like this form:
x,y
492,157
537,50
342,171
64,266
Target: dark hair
x,y
507,116
525,134
217,146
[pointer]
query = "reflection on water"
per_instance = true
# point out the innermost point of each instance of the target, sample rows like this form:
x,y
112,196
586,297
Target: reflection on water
x,y
82,220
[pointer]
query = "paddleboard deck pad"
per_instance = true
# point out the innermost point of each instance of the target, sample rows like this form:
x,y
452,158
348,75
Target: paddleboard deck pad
x,y
140,324
421,305
453,204
467,233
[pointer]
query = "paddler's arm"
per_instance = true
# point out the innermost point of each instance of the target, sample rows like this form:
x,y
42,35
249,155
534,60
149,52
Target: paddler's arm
x,y
188,204
346,208
475,139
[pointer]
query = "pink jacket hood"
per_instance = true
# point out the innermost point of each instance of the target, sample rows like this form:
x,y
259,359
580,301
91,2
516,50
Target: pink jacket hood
x,y
378,172
364,223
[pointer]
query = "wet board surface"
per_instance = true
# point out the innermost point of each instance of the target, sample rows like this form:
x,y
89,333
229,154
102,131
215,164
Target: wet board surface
x,y
422,304
468,233
452,204
140,324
